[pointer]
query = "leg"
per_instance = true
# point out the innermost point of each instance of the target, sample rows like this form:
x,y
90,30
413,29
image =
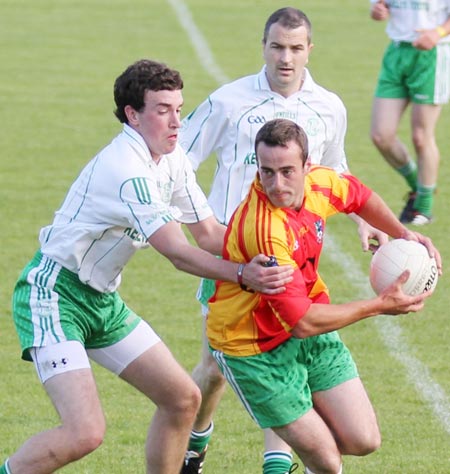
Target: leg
x,y
386,115
74,395
423,124
347,411
211,382
158,375
317,449
277,454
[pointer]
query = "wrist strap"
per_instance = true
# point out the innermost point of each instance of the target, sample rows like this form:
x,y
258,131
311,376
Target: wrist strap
x,y
441,31
240,271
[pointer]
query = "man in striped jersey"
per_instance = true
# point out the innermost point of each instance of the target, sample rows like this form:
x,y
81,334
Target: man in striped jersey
x,y
134,194
226,124
281,354
416,70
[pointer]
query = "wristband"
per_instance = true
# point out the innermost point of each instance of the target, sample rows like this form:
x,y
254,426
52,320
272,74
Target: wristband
x,y
240,271
441,31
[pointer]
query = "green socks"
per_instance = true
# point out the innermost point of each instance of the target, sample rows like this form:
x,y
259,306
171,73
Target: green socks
x,y
198,440
277,462
424,199
409,172
4,469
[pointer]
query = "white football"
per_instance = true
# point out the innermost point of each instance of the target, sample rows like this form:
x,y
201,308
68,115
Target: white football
x,y
398,255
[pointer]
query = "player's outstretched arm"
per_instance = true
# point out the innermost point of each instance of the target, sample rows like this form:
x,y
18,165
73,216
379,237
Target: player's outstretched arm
x,y
170,241
322,318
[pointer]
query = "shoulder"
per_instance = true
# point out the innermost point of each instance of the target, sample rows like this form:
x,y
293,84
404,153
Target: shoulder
x,y
330,97
323,94
320,172
324,176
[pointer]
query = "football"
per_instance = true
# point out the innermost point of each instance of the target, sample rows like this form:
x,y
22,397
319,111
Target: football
x,y
398,255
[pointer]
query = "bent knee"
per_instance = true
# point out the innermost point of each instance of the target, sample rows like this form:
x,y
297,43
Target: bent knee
x,y
381,140
364,444
326,465
214,374
85,440
208,374
186,403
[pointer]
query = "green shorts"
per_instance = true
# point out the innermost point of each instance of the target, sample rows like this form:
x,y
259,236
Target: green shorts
x,y
51,305
205,290
420,76
276,387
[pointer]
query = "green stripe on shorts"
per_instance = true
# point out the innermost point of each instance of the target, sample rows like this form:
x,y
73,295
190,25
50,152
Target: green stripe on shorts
x,y
276,387
51,304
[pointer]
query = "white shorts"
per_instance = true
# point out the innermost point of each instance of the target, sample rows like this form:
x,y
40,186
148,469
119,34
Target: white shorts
x,y
63,357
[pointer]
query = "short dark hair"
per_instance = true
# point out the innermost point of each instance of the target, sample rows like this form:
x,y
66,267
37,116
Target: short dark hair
x,y
290,18
279,132
141,76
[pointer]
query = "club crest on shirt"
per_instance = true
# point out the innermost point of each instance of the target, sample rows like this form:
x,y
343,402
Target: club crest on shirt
x,y
319,230
312,127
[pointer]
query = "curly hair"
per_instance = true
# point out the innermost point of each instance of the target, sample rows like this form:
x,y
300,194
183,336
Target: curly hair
x,y
139,77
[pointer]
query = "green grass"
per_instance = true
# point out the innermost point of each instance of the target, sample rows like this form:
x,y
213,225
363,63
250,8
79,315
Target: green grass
x,y
59,60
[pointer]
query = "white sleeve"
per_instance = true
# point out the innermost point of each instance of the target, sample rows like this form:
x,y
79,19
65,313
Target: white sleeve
x,y
147,210
187,194
202,130
334,154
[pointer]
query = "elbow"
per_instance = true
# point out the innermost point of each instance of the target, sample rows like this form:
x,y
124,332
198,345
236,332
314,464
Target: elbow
x,y
302,330
178,263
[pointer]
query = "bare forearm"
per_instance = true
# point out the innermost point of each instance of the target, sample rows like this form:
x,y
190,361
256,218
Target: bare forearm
x,y
322,318
379,215
171,242
198,262
209,235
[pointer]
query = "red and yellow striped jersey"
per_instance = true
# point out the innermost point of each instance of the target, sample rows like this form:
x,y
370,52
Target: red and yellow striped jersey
x,y
243,323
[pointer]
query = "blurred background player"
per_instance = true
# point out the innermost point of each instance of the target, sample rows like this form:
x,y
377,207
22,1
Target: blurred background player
x,y
226,124
415,69
282,354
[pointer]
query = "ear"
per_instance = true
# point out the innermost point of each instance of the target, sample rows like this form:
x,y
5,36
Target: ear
x,y
307,166
132,115
310,47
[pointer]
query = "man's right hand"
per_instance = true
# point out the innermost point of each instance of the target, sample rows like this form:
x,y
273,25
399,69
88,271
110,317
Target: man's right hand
x,y
379,11
394,301
269,280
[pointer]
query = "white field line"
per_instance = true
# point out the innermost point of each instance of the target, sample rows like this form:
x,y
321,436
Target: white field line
x,y
390,331
198,41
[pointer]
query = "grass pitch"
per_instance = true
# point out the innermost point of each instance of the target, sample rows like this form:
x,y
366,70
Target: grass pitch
x,y
59,61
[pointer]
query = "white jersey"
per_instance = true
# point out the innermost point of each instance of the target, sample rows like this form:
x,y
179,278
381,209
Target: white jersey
x,y
407,16
118,201
227,122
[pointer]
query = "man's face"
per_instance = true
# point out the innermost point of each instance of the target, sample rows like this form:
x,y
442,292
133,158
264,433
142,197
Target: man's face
x,y
158,122
286,53
282,174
